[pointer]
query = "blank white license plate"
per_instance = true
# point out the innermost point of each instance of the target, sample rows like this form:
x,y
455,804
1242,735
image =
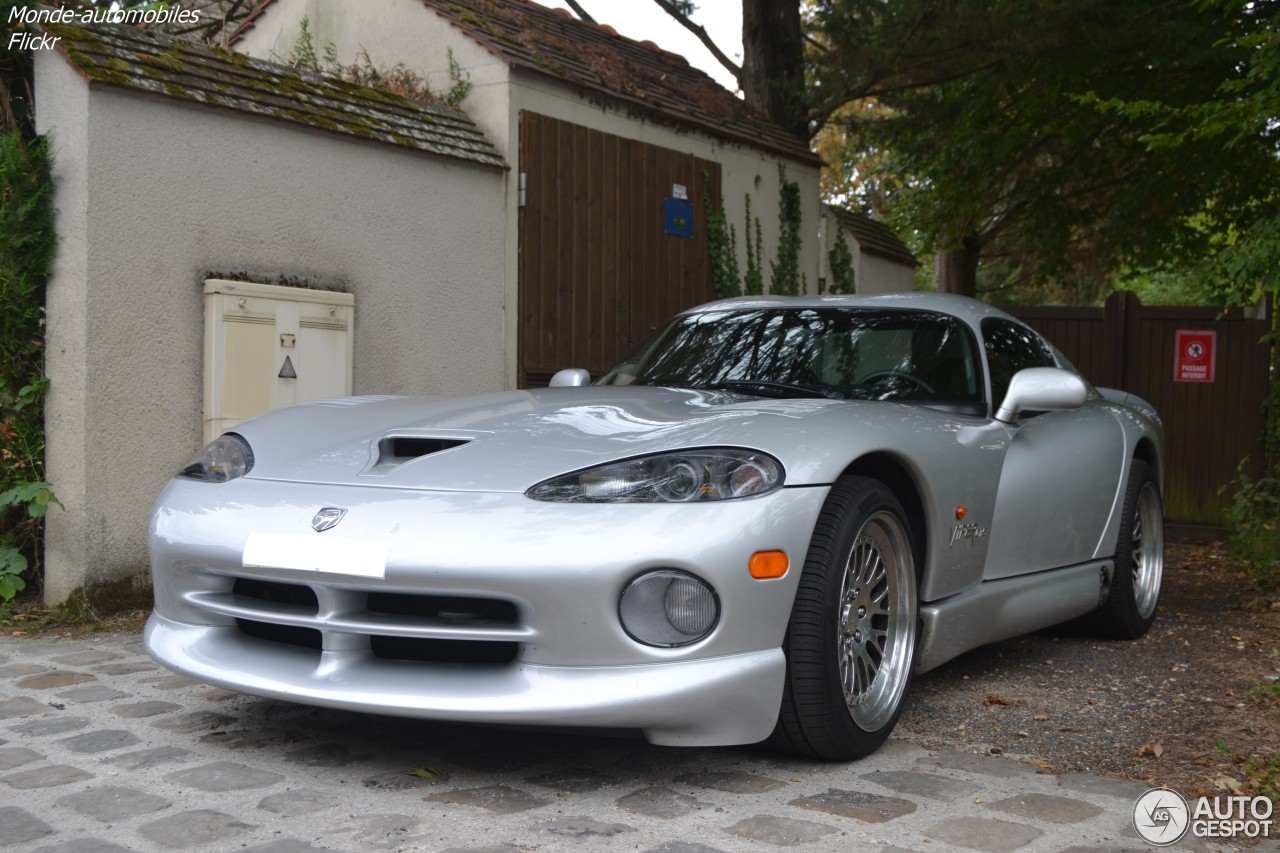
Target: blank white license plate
x,y
316,553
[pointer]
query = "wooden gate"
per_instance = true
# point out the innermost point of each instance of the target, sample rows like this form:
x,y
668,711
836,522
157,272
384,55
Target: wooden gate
x,y
1209,426
597,270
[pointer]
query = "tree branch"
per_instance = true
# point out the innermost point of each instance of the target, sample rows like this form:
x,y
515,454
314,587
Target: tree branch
x,y
671,9
581,12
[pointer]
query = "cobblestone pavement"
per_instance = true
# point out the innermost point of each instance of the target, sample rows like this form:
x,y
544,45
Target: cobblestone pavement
x,y
103,750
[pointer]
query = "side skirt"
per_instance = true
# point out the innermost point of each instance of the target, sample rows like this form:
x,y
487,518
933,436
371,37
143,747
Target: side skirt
x,y
1009,607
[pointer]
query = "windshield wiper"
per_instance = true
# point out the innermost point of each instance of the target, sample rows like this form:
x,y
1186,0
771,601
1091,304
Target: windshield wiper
x,y
764,388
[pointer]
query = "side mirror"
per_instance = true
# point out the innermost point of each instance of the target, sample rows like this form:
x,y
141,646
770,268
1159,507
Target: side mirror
x,y
1042,389
571,377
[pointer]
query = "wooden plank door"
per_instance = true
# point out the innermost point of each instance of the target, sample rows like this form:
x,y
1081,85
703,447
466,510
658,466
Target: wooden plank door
x,y
597,271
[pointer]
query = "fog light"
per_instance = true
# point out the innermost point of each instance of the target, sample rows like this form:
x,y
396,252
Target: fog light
x,y
668,608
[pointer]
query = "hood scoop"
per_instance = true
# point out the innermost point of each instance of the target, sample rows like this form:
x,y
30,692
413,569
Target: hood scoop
x,y
396,450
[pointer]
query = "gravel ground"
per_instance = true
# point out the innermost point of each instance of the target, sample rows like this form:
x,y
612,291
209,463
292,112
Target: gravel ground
x,y
1182,707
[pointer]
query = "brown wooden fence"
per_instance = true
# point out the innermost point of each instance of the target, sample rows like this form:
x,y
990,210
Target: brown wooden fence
x,y
1209,426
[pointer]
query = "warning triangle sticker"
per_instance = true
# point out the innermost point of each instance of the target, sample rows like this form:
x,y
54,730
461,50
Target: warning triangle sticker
x,y
287,372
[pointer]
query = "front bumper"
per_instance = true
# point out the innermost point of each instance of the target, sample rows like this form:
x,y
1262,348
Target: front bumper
x,y
706,702
560,568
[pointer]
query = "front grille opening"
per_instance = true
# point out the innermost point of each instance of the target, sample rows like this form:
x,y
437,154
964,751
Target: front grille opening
x,y
274,592
441,651
457,610
289,635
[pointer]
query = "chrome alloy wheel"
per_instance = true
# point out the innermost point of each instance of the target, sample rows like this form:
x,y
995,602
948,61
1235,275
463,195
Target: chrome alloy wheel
x,y
877,626
1147,550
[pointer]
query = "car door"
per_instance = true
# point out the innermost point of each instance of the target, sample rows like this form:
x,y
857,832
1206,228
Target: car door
x,y
1060,474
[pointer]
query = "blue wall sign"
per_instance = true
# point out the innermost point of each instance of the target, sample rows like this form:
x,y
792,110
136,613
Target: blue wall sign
x,y
677,215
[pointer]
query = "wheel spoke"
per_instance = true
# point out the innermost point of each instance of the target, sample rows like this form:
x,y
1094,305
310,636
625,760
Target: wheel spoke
x,y
877,593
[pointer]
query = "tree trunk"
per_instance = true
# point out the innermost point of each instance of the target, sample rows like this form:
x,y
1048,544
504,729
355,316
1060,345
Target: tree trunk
x,y
956,270
773,62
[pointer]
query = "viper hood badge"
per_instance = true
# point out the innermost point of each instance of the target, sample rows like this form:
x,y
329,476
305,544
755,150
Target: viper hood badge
x,y
327,518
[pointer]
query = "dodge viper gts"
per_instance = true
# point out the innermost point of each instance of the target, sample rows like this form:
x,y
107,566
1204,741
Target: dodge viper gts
x,y
759,527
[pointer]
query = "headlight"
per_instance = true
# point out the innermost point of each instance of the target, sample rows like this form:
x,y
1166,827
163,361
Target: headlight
x,y
717,474
225,458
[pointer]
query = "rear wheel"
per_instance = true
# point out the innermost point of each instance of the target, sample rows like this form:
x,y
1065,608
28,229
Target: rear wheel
x,y
851,640
1130,607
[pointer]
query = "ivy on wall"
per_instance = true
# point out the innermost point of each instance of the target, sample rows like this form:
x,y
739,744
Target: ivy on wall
x,y
722,245
840,263
27,242
785,278
753,281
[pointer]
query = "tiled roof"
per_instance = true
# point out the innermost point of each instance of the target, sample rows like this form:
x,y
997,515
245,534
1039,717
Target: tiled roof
x,y
594,57
135,59
873,237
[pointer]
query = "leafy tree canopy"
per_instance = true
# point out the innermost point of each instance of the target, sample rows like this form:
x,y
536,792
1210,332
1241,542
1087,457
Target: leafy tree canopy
x,y
1060,142
1047,137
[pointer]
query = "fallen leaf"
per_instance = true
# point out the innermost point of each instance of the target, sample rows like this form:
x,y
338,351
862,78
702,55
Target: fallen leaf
x,y
979,800
428,773
1000,700
1153,749
1040,717
1229,784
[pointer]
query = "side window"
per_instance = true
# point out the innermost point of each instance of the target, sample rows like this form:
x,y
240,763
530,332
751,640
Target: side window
x,y
1010,348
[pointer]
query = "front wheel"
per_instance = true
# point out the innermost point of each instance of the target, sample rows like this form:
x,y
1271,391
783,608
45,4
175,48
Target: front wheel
x,y
850,644
1130,607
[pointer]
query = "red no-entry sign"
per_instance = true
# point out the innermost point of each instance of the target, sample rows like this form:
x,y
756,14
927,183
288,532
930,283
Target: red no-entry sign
x,y
1195,356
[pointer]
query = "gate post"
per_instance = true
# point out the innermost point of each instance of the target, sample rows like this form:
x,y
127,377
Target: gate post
x,y
1122,315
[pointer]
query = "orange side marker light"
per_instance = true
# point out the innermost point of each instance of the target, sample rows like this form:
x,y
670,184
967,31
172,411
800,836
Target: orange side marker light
x,y
961,512
768,564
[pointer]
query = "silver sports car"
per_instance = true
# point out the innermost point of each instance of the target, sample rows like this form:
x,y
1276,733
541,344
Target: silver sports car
x,y
759,527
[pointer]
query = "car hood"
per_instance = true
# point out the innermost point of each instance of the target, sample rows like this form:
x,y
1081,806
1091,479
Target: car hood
x,y
508,442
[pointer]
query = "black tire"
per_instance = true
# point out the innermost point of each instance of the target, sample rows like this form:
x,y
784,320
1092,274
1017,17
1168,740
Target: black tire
x,y
1130,606
850,644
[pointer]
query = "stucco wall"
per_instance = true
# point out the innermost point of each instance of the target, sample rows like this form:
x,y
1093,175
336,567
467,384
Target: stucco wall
x,y
871,273
154,196
875,274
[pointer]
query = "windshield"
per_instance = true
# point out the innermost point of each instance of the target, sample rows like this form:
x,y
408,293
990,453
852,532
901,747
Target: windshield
x,y
848,353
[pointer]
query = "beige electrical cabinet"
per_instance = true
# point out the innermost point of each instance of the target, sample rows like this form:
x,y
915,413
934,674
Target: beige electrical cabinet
x,y
267,346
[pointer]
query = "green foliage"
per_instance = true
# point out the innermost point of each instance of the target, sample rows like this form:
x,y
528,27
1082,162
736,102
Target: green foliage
x,y
459,82
840,263
1234,116
27,242
303,54
1186,284
16,83
1058,137
35,498
1255,543
364,72
1254,513
785,279
753,280
722,244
